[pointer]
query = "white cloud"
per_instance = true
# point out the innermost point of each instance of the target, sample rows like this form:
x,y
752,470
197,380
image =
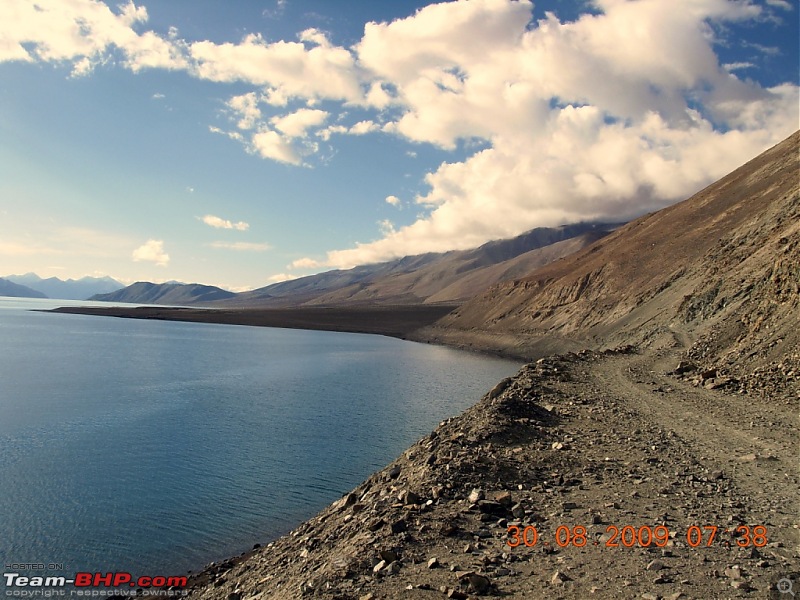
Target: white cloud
x,y
606,117
279,277
270,144
738,66
220,223
246,106
151,251
386,227
286,69
296,124
784,4
393,200
305,263
82,31
242,246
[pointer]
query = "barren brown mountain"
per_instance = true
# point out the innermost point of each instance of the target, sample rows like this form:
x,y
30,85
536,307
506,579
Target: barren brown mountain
x,y
449,278
725,262
661,461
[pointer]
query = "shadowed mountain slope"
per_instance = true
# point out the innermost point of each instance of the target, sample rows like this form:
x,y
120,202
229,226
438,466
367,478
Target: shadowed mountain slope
x,y
451,277
724,263
178,294
16,290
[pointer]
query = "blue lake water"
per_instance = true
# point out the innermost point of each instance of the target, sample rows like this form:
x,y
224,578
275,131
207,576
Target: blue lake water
x,y
155,447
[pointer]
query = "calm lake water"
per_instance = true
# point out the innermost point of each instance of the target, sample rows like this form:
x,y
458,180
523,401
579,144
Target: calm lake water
x,y
155,447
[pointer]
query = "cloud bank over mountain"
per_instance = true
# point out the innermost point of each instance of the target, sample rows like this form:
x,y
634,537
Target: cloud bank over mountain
x,y
623,110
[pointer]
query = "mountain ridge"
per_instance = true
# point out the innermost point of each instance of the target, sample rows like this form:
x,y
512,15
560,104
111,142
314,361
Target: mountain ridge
x,y
69,289
449,277
12,289
145,292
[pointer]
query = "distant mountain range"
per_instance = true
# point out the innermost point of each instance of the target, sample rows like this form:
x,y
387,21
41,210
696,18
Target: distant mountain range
x,y
450,277
15,290
441,278
71,289
176,294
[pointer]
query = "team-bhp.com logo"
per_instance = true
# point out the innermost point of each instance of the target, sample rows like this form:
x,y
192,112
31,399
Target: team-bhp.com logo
x,y
93,584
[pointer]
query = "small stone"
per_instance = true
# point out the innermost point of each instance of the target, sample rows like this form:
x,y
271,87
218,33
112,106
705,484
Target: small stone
x,y
476,495
649,596
504,498
734,572
347,501
399,526
368,596
480,584
394,472
389,556
456,594
655,565
740,584
559,578
379,567
408,497
434,563
491,508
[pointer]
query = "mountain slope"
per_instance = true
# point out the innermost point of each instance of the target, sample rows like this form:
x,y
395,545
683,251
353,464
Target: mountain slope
x,y
451,277
724,264
15,290
71,289
143,292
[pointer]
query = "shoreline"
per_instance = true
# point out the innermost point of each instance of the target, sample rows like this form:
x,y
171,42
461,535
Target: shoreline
x,y
393,321
411,322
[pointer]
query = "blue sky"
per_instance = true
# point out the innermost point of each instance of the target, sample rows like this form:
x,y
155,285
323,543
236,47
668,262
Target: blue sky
x,y
239,144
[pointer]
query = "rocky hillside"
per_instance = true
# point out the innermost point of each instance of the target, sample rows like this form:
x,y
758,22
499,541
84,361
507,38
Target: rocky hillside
x,y
724,265
176,294
450,278
664,468
574,479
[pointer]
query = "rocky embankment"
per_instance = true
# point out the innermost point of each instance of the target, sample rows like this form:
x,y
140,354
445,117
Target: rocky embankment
x,y
624,464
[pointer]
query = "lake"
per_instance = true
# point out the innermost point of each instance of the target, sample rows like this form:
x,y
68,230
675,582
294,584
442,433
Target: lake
x,y
155,447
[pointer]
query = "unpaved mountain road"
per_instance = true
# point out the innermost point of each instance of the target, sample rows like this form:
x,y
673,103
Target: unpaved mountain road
x,y
638,483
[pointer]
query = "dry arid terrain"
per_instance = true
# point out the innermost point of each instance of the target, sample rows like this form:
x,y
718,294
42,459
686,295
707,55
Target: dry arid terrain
x,y
658,459
649,450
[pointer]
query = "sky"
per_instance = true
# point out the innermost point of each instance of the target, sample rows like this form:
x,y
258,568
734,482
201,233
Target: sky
x,y
244,143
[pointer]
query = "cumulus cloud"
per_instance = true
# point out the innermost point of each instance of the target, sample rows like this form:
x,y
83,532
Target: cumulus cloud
x,y
393,200
270,144
279,277
242,246
305,263
82,31
606,117
310,68
151,251
621,111
246,107
220,223
296,124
